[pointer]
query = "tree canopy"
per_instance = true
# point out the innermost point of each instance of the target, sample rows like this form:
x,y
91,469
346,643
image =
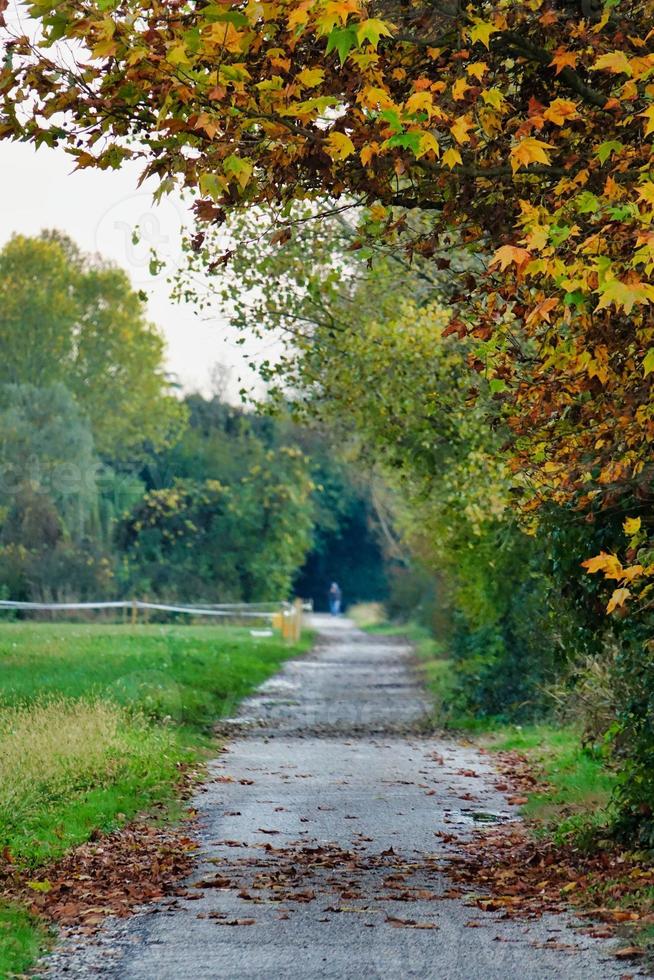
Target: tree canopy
x,y
71,320
521,130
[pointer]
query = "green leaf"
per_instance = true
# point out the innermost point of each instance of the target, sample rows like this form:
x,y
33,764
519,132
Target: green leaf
x,y
604,151
209,184
648,362
587,203
409,141
371,30
342,39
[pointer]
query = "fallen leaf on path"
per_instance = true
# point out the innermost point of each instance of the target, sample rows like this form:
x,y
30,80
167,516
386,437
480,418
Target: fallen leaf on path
x,y
409,923
629,952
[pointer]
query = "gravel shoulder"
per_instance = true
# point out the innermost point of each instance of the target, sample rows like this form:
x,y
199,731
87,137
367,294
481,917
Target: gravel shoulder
x,y
320,854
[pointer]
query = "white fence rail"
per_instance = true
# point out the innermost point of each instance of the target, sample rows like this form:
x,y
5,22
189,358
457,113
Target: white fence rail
x,y
285,616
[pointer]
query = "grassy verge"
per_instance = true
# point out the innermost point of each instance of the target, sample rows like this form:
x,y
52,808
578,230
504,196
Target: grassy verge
x,y
579,785
96,723
22,938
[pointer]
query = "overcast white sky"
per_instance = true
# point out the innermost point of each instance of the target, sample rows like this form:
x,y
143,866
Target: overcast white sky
x,y
99,210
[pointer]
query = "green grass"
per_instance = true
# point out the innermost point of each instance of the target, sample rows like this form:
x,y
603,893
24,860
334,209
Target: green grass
x,y
95,723
189,674
581,784
22,938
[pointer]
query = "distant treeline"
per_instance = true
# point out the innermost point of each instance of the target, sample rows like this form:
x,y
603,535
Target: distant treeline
x,y
113,485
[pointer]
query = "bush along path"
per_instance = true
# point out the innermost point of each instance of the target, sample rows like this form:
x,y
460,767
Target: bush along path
x,y
326,833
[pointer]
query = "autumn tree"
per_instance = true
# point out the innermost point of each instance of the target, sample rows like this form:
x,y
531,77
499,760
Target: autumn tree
x,y
522,129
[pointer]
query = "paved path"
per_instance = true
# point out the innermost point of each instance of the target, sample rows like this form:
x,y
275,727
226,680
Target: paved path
x,y
318,845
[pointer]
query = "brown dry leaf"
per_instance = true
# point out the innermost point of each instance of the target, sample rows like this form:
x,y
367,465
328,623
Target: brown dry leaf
x,y
629,952
409,923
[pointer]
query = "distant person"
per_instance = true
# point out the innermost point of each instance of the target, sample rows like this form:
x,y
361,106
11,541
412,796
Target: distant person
x,y
335,596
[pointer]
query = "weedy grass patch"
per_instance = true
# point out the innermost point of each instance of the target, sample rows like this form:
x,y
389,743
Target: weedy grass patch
x,y
69,767
22,938
579,784
97,723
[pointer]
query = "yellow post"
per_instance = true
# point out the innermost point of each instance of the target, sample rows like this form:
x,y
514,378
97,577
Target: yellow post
x,y
287,623
297,606
135,612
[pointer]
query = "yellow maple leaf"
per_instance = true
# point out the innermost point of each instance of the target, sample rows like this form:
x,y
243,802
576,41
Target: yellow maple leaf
x,y
477,69
559,111
175,55
646,192
481,31
299,16
378,212
459,129
648,115
451,157
428,144
615,62
310,77
624,295
510,255
530,150
494,97
631,526
373,97
618,599
609,564
459,89
339,146
367,152
419,102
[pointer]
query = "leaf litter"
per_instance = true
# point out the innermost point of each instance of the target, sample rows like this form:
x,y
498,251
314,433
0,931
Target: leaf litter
x,y
110,875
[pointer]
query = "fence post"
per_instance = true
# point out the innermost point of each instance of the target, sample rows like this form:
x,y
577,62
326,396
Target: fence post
x,y
135,612
297,605
287,624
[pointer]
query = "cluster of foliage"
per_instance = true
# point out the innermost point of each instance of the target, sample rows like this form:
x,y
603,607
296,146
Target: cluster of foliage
x,y
242,541
521,129
83,398
236,505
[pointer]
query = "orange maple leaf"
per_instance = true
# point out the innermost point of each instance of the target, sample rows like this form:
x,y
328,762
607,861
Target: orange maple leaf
x,y
510,255
563,59
530,150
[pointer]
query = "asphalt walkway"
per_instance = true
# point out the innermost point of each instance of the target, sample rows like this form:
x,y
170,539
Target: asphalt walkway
x,y
320,855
